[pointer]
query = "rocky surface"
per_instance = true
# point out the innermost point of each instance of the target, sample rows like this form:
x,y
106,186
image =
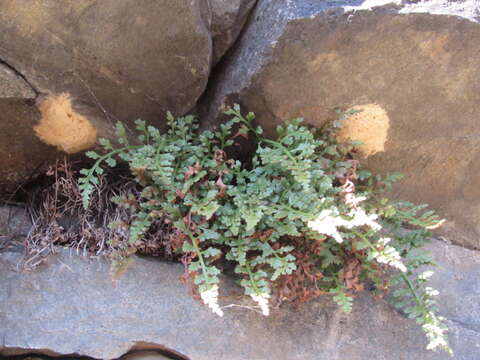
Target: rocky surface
x,y
89,64
304,58
228,19
15,225
136,61
68,73
144,355
18,115
70,305
14,221
46,355
23,154
13,85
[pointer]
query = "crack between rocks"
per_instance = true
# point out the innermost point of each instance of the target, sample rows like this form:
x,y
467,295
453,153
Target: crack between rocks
x,y
216,69
19,74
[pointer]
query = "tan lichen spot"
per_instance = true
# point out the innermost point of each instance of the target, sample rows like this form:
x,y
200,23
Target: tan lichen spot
x,y
434,47
63,127
104,70
369,125
33,18
29,17
322,60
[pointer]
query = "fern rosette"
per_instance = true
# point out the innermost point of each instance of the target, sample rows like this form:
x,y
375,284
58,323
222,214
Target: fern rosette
x,y
298,219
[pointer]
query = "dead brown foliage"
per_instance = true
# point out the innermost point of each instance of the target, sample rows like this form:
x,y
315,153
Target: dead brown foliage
x,y
59,219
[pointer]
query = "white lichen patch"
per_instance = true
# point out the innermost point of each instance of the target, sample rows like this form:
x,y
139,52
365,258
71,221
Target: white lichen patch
x,y
370,4
63,127
369,125
468,9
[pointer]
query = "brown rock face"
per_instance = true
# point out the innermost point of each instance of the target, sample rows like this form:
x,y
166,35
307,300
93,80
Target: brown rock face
x,y
12,85
134,60
422,70
93,63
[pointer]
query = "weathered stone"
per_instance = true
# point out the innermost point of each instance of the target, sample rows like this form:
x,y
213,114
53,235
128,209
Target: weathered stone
x,y
69,305
14,221
228,19
457,276
90,64
14,86
304,58
132,60
23,155
17,113
144,355
467,9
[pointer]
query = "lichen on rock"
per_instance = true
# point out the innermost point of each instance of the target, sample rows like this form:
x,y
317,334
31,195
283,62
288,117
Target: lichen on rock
x,y
63,127
369,125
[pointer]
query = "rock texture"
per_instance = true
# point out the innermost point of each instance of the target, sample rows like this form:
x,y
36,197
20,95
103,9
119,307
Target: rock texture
x,y
21,151
13,85
89,64
23,154
14,221
229,16
144,355
304,58
70,306
136,61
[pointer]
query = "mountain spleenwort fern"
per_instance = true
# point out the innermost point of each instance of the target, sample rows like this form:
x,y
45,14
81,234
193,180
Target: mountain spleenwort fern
x,y
302,220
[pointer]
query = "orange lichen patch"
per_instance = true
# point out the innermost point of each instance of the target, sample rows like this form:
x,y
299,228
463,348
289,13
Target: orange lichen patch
x,y
369,125
63,127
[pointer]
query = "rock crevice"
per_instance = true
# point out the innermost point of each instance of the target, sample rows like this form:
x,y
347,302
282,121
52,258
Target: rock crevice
x,y
24,90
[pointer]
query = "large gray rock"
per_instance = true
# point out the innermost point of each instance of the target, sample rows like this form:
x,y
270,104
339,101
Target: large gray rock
x,y
70,305
457,277
417,75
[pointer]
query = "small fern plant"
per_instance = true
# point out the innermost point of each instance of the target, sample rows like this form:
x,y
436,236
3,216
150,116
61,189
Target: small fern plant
x,y
299,218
